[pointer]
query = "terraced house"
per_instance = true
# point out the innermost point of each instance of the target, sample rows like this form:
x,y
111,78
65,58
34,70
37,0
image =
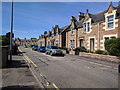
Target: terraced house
x,y
55,37
89,30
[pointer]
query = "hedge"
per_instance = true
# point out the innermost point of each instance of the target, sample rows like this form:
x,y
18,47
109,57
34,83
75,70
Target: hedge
x,y
113,46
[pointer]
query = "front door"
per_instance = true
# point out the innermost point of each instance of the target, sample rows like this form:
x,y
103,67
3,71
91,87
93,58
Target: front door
x,y
91,44
81,42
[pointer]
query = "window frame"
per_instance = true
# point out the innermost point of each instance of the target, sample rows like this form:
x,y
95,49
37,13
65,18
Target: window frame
x,y
110,21
72,44
72,31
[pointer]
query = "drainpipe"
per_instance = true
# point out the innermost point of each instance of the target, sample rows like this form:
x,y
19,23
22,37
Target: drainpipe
x,y
76,37
98,35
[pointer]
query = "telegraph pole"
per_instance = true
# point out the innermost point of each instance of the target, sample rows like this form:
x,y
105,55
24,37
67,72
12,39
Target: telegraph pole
x,y
11,32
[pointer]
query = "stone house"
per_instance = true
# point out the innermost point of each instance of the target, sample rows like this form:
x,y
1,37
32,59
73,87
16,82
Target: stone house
x,y
89,30
25,41
92,30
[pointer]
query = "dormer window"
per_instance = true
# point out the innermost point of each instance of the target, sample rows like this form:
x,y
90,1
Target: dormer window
x,y
72,31
110,20
52,34
56,34
86,27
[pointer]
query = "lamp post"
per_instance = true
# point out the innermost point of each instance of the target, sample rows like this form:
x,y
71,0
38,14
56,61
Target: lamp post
x,y
11,32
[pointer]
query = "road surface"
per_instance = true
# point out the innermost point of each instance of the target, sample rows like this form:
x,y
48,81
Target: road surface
x,y
71,71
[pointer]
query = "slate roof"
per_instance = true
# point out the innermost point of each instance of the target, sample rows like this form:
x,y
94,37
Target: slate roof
x,y
62,29
99,16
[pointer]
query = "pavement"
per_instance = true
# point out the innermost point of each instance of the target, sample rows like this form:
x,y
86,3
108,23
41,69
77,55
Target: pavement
x,y
17,76
71,71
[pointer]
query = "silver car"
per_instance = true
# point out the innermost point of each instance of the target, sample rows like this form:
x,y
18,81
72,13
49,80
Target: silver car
x,y
53,50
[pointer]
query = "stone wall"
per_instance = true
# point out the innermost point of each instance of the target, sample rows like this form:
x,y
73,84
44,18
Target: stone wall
x,y
4,54
101,57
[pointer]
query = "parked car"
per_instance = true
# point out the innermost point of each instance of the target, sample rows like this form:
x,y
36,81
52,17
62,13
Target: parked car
x,y
34,48
25,46
53,50
41,49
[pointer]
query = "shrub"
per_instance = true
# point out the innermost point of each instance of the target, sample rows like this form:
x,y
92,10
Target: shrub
x,y
67,51
88,51
113,46
101,52
4,40
81,49
64,48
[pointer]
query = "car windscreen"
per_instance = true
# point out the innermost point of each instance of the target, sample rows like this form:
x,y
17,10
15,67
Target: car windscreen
x,y
54,47
42,47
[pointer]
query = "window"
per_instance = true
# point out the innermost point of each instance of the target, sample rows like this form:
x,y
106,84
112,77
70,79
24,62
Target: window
x,y
110,20
56,34
106,38
72,44
72,31
84,27
52,34
48,42
88,27
112,37
57,42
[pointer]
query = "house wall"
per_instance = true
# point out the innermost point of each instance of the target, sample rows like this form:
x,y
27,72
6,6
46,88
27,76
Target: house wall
x,y
41,42
119,28
71,37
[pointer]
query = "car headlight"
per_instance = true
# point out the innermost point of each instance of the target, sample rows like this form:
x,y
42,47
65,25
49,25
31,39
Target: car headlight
x,y
54,51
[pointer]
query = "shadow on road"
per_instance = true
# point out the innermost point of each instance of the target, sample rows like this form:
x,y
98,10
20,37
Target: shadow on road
x,y
20,53
20,87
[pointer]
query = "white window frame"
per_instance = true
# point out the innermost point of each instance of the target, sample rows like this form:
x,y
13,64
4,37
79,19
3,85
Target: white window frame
x,y
72,31
84,27
109,36
89,21
72,44
56,34
106,20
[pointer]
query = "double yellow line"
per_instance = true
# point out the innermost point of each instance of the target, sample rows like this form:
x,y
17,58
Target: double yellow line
x,y
41,74
48,84
55,86
27,58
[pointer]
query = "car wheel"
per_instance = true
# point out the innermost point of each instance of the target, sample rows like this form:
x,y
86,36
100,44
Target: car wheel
x,y
46,52
51,54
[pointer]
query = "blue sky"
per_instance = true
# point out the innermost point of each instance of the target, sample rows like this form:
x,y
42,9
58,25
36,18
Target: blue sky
x,y
33,18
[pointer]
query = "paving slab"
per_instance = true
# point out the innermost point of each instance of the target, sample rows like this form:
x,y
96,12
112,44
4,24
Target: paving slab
x,y
17,75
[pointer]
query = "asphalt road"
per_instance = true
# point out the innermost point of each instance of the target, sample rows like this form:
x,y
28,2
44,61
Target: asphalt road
x,y
71,71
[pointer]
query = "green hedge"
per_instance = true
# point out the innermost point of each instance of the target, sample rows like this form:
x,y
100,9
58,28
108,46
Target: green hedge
x,y
4,40
113,46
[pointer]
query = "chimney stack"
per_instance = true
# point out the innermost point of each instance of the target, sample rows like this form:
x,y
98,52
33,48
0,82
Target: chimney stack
x,y
80,16
118,3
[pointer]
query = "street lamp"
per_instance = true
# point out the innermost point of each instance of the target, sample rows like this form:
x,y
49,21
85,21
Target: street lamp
x,y
11,32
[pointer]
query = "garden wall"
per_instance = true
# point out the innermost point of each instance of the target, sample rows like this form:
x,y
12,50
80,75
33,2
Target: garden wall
x,y
101,57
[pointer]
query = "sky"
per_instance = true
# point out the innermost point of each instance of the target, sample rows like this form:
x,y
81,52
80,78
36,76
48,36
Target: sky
x,y
31,19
